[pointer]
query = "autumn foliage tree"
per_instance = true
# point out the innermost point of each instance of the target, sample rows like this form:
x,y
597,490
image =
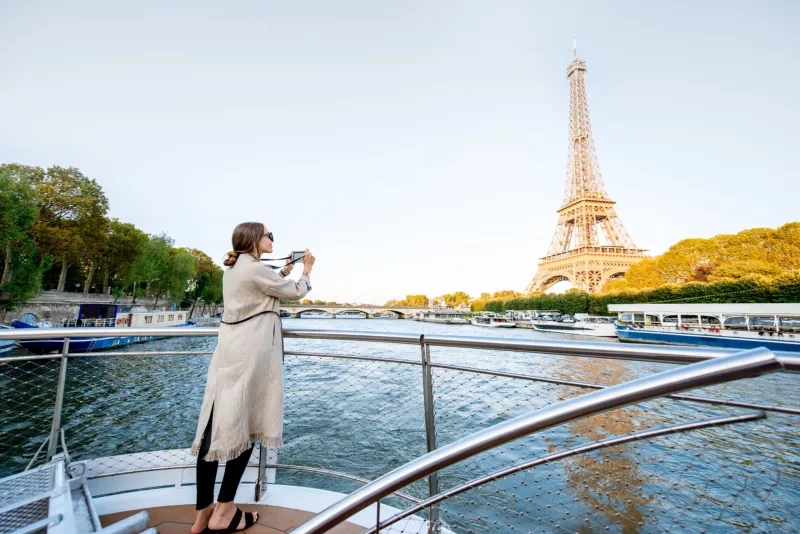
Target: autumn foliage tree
x,y
757,251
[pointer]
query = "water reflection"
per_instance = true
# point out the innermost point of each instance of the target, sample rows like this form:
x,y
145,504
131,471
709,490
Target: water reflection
x,y
608,482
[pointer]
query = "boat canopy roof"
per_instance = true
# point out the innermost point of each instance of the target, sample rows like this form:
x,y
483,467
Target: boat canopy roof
x,y
713,309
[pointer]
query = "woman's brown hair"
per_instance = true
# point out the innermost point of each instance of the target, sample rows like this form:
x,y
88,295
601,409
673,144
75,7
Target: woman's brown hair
x,y
245,241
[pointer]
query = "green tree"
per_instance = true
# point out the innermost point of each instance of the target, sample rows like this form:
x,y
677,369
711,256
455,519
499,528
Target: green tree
x,y
152,262
18,212
181,272
72,214
27,268
95,250
125,245
213,292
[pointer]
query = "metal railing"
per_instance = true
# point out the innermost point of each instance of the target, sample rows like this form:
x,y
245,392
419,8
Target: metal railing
x,y
747,364
352,417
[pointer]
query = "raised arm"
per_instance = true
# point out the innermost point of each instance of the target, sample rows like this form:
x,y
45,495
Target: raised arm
x,y
274,285
283,288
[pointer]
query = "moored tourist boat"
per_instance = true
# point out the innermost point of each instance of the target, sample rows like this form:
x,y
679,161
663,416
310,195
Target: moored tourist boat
x,y
492,320
581,324
735,326
109,316
443,316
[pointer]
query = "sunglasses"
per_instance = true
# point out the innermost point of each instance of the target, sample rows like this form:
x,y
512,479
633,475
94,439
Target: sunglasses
x,y
269,235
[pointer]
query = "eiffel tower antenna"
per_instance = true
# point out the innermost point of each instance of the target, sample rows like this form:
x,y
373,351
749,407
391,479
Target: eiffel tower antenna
x,y
590,244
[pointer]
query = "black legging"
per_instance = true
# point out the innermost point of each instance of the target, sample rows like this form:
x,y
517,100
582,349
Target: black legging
x,y
207,472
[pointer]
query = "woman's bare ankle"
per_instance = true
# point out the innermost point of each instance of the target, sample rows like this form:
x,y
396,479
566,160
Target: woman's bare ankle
x,y
223,508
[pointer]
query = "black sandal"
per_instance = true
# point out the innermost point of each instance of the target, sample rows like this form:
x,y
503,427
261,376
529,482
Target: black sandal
x,y
249,521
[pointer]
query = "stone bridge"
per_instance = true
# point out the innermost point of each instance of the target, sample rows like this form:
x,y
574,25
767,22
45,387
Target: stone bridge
x,y
403,312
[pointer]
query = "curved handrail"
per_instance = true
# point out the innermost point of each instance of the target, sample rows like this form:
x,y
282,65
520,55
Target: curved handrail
x,y
750,363
610,442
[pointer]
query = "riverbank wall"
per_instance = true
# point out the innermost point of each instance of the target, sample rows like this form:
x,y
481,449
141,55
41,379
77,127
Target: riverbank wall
x,y
54,307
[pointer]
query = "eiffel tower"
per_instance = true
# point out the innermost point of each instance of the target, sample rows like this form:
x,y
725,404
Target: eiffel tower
x,y
590,245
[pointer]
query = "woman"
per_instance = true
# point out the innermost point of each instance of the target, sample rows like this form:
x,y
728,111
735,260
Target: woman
x,y
243,402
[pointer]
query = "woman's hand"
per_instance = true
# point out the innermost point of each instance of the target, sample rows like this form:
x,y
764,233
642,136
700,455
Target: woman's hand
x,y
308,262
288,267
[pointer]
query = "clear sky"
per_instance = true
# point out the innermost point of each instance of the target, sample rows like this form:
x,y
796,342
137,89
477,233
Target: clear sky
x,y
415,147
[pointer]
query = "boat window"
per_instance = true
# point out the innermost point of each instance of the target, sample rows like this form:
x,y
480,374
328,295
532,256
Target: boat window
x,y
160,318
789,324
736,323
762,322
180,316
689,319
171,318
653,319
670,319
148,319
638,317
709,319
625,317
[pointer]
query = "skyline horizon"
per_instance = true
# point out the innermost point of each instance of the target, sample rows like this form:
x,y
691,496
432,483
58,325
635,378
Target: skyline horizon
x,y
414,149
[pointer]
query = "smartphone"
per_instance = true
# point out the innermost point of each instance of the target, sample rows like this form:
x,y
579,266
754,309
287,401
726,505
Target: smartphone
x,y
297,255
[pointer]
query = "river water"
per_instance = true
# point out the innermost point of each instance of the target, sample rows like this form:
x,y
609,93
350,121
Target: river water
x,y
365,418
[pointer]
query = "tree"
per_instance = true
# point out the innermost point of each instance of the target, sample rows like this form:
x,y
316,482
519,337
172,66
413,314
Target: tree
x,y
416,300
506,294
152,263
213,292
181,271
125,245
743,268
27,267
204,268
202,261
454,299
71,215
18,212
756,251
95,250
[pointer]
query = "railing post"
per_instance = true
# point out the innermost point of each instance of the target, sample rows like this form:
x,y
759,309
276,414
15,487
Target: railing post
x,y
434,527
265,476
62,380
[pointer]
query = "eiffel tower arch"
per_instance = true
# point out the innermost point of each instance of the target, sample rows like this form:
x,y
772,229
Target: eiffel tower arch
x,y
590,244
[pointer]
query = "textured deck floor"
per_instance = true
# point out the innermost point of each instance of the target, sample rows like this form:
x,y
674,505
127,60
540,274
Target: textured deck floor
x,y
271,520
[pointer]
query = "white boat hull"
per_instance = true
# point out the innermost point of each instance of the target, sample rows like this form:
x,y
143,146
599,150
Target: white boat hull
x,y
493,324
444,321
577,328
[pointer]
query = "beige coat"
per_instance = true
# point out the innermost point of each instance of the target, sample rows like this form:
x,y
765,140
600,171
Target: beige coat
x,y
245,376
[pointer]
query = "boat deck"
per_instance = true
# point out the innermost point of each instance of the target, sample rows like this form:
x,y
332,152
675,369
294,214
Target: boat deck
x,y
271,519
